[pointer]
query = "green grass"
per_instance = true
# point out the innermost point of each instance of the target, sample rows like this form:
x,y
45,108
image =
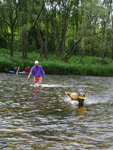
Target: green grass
x,y
88,65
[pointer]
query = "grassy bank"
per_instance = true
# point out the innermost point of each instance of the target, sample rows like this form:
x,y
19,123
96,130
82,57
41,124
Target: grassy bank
x,y
88,66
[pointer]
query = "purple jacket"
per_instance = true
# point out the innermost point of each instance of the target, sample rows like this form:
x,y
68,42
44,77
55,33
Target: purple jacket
x,y
37,71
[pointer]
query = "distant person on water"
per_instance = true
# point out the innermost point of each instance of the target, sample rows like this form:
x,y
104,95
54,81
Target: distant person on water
x,y
38,72
27,69
16,69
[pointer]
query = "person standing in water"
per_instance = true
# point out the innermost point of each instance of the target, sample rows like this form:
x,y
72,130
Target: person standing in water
x,y
38,72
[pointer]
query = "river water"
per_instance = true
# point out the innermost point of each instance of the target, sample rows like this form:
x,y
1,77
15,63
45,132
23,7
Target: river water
x,y
44,118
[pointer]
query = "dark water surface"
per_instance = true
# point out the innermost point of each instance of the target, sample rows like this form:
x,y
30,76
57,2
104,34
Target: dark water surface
x,y
44,118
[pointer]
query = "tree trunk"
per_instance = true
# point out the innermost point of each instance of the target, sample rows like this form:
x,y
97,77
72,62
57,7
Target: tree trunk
x,y
24,33
26,37
103,51
112,40
46,42
65,24
40,39
69,54
46,36
11,43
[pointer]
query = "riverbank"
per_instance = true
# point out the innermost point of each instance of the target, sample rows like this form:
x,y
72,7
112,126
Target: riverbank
x,y
88,65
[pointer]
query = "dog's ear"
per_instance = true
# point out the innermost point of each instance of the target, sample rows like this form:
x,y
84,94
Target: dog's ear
x,y
84,95
78,93
66,93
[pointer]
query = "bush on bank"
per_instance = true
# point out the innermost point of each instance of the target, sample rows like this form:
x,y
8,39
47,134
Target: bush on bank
x,y
88,65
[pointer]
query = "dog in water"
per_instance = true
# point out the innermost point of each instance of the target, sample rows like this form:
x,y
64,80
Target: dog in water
x,y
80,97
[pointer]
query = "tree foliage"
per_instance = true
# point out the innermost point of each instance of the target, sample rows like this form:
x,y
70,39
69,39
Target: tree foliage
x,y
62,27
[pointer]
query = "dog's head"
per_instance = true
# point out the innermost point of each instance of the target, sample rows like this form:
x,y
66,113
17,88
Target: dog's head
x,y
67,93
81,95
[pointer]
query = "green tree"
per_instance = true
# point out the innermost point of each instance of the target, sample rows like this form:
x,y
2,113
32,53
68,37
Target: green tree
x,y
25,29
9,10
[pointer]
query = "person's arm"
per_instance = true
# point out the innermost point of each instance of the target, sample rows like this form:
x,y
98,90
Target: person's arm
x,y
43,73
29,75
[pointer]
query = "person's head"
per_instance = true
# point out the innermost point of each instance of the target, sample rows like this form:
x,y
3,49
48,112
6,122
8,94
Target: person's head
x,y
36,63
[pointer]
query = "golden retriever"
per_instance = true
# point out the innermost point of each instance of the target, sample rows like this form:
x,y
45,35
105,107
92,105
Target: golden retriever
x,y
80,97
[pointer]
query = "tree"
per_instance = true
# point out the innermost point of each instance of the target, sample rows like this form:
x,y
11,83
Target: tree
x,y
9,14
25,29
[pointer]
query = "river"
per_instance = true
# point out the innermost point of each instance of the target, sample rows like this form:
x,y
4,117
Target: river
x,y
44,118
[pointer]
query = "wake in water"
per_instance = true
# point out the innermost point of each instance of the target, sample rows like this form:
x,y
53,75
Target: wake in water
x,y
49,85
67,99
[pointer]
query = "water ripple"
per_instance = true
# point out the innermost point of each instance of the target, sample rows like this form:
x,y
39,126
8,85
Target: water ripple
x,y
34,117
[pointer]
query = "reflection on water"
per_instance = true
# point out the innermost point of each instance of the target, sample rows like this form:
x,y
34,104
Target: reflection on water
x,y
36,94
45,118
